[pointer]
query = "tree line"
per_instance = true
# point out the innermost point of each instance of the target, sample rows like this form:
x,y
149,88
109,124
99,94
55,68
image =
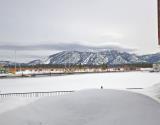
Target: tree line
x,y
81,66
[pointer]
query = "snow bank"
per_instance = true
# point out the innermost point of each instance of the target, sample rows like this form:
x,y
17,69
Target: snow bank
x,y
90,107
81,81
153,91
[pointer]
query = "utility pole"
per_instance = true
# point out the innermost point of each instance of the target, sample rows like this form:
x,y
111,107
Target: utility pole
x,y
65,64
15,67
158,11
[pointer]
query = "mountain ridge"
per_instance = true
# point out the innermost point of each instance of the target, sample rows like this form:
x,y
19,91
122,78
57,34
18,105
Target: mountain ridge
x,y
110,57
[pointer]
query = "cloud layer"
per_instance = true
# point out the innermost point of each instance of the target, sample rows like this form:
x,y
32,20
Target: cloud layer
x,y
63,47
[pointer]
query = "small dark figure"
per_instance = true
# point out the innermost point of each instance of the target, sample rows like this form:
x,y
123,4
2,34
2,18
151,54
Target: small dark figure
x,y
101,87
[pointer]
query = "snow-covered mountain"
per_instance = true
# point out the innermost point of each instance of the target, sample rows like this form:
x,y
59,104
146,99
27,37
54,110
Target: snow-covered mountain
x,y
151,58
35,62
111,57
10,63
6,63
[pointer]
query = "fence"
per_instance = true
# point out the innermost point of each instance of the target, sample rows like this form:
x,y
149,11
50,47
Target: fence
x,y
34,94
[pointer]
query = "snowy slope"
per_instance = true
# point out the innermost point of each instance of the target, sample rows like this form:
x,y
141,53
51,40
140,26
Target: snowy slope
x,y
90,107
93,58
151,58
35,62
119,60
153,91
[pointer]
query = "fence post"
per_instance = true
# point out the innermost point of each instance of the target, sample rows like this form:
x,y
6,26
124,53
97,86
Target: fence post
x,y
34,94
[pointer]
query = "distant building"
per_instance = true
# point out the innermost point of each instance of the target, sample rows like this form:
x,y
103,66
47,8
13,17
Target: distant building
x,y
2,69
156,67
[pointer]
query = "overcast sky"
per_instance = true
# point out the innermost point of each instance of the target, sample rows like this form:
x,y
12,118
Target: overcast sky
x,y
37,28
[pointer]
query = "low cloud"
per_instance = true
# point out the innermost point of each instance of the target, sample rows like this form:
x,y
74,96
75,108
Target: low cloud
x,y
64,47
26,53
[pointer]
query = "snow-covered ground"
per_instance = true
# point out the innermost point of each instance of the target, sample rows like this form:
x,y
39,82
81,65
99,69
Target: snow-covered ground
x,y
10,103
120,80
89,107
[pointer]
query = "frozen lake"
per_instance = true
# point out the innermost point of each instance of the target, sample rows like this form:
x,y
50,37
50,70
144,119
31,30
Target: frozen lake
x,y
81,81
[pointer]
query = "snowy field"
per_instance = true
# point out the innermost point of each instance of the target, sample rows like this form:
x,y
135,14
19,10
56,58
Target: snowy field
x,y
120,80
89,107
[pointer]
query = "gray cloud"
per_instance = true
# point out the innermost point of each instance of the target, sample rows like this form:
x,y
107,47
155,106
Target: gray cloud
x,y
33,27
129,22
63,47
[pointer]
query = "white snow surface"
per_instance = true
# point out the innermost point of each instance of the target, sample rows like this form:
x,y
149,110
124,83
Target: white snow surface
x,y
117,80
89,107
10,103
153,91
